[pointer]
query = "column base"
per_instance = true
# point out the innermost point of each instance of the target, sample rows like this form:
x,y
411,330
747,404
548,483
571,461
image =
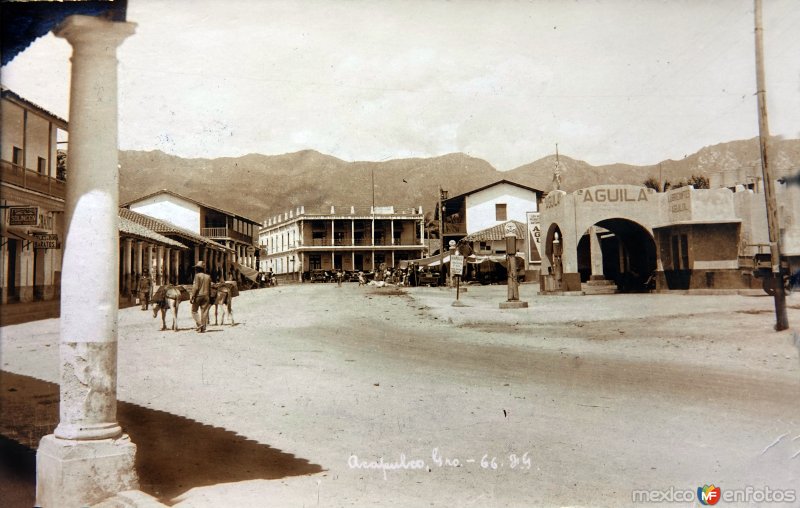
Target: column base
x,y
516,304
82,473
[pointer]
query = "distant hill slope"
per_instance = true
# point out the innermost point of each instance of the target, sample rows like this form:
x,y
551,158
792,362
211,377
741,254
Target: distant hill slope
x,y
258,186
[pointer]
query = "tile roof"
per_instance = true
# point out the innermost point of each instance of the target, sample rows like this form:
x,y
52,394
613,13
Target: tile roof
x,y
130,228
497,232
166,228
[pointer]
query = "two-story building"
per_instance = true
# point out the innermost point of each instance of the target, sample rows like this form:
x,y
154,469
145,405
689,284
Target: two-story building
x,y
33,191
238,234
484,209
350,238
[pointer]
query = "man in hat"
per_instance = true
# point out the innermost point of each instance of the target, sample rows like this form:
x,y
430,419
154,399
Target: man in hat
x,y
200,297
144,288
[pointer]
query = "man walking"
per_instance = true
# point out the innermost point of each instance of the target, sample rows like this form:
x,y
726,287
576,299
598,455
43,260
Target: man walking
x,y
200,297
144,288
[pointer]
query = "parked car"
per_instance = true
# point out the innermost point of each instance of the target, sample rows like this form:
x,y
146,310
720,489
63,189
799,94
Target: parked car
x,y
428,278
320,276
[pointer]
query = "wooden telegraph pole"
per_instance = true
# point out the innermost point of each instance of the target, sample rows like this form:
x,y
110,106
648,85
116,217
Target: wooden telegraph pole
x,y
441,235
782,321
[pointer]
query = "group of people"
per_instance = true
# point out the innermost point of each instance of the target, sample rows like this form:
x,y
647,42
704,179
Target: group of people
x,y
266,279
199,296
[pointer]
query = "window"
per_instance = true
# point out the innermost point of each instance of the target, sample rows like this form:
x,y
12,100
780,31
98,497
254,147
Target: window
x,y
42,166
315,262
16,156
500,212
680,252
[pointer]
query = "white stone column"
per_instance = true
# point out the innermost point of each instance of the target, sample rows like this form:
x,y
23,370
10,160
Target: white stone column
x,y
160,264
196,253
167,265
176,263
150,269
127,265
139,255
596,253
87,458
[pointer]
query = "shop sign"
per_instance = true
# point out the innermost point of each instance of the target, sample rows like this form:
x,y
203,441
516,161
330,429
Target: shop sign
x,y
46,241
456,265
23,216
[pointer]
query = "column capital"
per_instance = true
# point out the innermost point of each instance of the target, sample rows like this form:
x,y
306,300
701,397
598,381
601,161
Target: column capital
x,y
97,35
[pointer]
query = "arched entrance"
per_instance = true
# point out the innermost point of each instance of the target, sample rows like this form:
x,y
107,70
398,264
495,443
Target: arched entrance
x,y
552,264
622,251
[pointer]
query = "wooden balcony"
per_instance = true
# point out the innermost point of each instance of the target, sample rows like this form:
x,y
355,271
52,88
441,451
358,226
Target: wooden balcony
x,y
226,233
31,180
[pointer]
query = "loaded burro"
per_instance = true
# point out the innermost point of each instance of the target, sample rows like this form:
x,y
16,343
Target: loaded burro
x,y
201,295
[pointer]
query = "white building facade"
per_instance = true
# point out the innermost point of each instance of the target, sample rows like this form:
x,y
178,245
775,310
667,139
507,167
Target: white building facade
x,y
33,192
231,230
349,238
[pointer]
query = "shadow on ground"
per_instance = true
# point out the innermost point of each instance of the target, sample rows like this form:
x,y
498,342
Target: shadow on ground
x,y
174,454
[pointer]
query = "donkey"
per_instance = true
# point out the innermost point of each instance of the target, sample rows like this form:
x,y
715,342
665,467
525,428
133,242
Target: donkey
x,y
168,297
223,297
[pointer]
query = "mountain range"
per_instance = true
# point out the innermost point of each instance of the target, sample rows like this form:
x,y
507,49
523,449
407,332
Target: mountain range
x,y
258,186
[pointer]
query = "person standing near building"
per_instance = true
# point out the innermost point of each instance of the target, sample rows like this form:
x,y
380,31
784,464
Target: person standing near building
x,y
200,297
145,287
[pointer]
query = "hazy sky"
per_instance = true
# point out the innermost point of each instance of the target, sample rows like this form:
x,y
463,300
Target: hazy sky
x,y
610,81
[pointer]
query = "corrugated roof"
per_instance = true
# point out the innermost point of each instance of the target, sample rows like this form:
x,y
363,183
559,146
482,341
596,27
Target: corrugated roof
x,y
497,232
166,228
131,228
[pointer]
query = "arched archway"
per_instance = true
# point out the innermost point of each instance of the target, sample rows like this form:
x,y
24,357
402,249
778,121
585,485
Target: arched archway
x,y
624,252
552,231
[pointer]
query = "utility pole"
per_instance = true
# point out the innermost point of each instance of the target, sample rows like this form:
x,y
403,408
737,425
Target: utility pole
x,y
441,235
782,321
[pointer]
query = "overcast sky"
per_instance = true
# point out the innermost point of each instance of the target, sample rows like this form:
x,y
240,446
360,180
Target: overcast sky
x,y
610,81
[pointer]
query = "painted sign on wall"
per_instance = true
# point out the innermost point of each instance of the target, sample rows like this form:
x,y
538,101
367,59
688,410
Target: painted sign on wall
x,y
534,239
679,202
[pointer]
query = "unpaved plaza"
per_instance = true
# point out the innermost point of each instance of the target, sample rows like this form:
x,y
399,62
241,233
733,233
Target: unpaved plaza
x,y
573,401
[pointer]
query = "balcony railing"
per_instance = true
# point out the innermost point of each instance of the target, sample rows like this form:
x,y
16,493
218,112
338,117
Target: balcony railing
x,y
225,233
31,180
455,227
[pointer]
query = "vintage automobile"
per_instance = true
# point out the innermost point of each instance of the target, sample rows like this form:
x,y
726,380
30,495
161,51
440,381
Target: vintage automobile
x,y
320,276
427,278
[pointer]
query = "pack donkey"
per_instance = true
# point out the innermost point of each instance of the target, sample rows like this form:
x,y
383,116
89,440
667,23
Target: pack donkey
x,y
168,298
225,291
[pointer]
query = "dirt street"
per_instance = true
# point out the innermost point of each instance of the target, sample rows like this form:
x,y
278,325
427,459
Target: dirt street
x,y
353,396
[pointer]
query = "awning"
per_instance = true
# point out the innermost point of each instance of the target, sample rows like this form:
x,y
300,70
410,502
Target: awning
x,y
474,259
15,232
247,271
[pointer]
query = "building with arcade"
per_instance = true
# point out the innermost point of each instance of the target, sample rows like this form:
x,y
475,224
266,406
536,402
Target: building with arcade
x,y
640,239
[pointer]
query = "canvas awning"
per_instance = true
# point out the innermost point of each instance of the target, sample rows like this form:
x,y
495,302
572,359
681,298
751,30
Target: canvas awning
x,y
13,232
473,259
247,271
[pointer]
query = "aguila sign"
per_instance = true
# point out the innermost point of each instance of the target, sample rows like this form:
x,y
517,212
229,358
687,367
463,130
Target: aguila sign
x,y
614,195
